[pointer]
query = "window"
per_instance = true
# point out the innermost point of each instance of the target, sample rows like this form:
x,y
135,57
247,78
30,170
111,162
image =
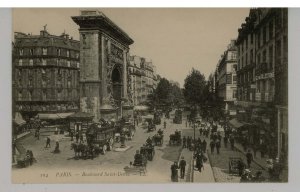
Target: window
x,y
29,95
43,71
270,57
31,51
228,78
251,38
258,59
20,62
59,94
43,83
68,53
270,30
21,52
44,51
264,35
77,55
30,83
58,52
251,56
69,63
278,49
234,94
77,64
44,62
44,95
69,84
20,95
30,62
258,39
246,59
234,78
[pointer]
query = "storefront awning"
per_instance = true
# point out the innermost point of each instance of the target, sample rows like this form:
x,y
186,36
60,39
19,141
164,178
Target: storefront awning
x,y
64,115
140,108
235,123
48,116
19,120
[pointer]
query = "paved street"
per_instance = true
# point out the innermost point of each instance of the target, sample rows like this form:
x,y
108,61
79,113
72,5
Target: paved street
x,y
158,170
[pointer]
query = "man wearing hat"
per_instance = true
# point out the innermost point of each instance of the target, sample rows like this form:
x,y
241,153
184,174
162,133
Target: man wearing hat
x,y
182,165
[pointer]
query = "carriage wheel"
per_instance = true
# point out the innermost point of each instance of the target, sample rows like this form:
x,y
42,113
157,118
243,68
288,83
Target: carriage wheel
x,y
104,148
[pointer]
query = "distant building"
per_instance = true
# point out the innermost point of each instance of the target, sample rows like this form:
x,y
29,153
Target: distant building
x,y
45,74
226,77
143,78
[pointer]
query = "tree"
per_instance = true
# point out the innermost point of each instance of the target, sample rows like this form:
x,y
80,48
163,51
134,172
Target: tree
x,y
162,91
194,85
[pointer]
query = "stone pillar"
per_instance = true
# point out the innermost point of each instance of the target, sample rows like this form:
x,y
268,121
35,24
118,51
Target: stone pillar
x,y
125,75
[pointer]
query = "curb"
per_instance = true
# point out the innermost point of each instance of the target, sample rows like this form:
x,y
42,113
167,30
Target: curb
x,y
241,151
211,166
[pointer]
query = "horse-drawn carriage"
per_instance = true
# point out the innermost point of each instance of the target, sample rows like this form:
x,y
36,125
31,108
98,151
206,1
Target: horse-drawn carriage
x,y
178,117
175,139
99,137
148,151
156,118
158,138
138,166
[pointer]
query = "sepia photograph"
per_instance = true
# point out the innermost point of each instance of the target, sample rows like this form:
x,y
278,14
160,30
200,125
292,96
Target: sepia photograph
x,y
149,95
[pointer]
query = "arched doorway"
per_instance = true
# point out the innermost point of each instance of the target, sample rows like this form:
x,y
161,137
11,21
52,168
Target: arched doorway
x,y
117,85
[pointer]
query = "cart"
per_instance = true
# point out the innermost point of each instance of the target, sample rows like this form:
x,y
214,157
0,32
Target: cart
x,y
234,163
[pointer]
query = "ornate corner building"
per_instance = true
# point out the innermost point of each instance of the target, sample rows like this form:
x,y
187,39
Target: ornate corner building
x,y
262,74
45,74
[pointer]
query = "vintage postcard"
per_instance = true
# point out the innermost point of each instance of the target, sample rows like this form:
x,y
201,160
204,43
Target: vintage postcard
x,y
150,95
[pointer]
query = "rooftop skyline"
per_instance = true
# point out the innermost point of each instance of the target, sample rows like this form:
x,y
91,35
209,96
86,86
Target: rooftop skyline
x,y
176,39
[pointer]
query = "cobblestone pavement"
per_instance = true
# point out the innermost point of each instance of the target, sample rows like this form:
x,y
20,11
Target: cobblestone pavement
x,y
158,170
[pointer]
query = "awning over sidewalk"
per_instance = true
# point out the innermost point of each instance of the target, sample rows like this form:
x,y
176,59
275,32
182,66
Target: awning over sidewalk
x,y
64,115
48,116
19,120
236,124
140,108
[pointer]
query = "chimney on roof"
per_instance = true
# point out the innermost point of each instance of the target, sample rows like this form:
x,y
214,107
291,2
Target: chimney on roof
x,y
44,32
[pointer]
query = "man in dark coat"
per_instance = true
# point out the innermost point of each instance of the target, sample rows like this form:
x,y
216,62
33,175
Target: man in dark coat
x,y
174,172
212,146
204,145
199,161
77,136
249,157
218,146
231,140
182,165
225,141
183,142
48,142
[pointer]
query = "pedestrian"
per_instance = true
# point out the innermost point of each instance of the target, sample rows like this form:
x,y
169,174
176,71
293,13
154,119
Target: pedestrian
x,y
212,146
204,145
38,135
72,135
174,172
201,131
165,124
225,141
199,162
56,150
77,136
186,123
241,167
183,142
231,140
48,142
182,165
188,141
81,138
249,157
218,146
254,150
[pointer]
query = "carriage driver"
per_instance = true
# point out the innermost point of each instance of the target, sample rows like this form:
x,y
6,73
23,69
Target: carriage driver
x,y
138,158
149,141
160,132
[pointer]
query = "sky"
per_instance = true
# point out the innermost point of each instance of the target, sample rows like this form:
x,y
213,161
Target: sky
x,y
176,40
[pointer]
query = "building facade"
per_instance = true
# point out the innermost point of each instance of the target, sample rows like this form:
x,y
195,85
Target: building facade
x,y
226,77
143,78
45,74
262,74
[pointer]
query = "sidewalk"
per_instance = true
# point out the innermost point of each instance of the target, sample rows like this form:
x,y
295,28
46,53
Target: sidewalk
x,y
262,162
192,175
206,175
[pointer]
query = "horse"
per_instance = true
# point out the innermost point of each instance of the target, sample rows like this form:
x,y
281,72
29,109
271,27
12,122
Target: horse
x,y
80,149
